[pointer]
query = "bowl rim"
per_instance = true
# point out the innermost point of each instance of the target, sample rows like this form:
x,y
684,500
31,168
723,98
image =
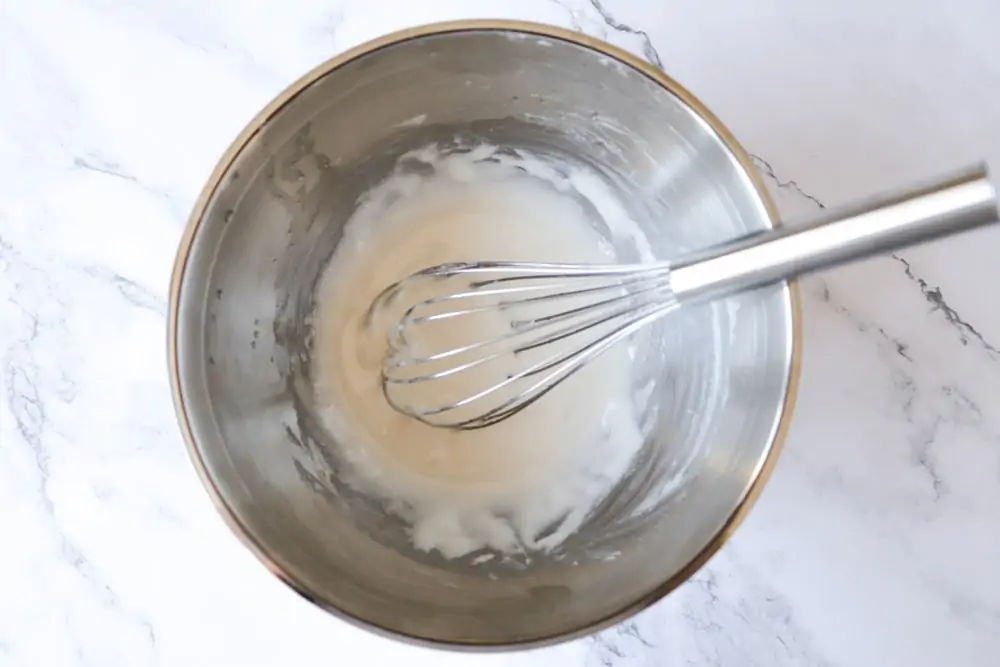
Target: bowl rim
x,y
228,513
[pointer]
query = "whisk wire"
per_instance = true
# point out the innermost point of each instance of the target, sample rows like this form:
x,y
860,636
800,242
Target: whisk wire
x,y
630,298
565,367
518,328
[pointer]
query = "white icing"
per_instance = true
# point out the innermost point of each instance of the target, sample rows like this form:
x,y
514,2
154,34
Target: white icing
x,y
526,483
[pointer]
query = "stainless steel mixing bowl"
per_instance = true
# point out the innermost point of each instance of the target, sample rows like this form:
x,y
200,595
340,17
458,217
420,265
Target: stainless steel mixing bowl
x,y
271,215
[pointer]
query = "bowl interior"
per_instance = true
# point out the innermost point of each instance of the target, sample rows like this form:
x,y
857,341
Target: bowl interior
x,y
273,218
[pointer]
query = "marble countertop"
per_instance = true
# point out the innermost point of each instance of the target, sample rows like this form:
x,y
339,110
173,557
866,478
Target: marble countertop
x,y
877,541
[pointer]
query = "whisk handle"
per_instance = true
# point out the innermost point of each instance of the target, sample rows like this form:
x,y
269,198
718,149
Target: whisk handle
x,y
949,205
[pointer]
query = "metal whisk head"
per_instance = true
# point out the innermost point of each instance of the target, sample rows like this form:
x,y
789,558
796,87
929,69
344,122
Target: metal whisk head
x,y
475,343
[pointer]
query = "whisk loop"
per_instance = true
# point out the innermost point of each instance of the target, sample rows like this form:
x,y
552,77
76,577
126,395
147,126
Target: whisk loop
x,y
514,331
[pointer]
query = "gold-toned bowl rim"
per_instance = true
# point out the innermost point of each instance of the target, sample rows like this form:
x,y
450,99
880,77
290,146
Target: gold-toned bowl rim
x,y
286,97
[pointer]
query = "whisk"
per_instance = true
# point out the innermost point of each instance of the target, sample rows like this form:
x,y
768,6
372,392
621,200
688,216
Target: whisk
x,y
479,341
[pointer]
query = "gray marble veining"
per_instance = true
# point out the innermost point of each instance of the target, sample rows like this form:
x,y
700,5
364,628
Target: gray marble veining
x,y
877,539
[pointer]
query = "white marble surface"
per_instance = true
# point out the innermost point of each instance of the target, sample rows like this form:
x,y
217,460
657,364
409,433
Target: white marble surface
x,y
878,540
